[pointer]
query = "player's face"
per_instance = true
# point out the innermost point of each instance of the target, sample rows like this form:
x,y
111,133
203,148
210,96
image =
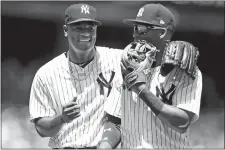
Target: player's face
x,y
82,36
148,33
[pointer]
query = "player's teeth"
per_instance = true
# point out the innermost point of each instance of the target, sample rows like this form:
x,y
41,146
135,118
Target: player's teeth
x,y
85,40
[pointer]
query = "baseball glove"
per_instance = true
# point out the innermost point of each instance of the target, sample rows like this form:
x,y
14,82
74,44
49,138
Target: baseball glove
x,y
182,54
136,62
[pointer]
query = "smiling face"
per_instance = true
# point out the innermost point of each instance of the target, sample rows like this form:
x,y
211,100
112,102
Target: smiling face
x,y
81,36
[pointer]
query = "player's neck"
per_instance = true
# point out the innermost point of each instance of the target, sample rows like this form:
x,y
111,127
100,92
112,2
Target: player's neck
x,y
159,58
160,53
79,58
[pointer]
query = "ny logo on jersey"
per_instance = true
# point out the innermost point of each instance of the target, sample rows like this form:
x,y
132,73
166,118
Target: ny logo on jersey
x,y
140,12
102,82
85,9
160,92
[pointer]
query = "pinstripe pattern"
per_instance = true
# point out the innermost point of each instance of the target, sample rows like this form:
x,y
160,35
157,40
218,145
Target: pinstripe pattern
x,y
54,85
142,129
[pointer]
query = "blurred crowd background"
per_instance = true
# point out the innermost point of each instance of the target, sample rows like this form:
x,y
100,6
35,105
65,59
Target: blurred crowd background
x,y
32,34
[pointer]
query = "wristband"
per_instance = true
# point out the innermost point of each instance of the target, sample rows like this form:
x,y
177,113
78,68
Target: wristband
x,y
140,92
151,100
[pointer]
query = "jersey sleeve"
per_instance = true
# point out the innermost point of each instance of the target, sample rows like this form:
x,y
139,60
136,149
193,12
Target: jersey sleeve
x,y
188,95
113,105
40,100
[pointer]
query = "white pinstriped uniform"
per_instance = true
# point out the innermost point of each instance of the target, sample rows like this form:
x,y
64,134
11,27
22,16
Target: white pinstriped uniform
x,y
55,85
141,128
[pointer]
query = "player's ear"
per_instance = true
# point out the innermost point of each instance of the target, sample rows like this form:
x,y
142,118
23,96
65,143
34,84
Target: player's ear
x,y
65,28
163,33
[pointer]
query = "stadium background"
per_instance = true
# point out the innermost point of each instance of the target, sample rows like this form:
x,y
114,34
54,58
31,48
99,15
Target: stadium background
x,y
32,34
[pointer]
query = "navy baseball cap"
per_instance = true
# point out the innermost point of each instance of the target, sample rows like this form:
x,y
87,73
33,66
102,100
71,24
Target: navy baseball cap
x,y
81,13
153,14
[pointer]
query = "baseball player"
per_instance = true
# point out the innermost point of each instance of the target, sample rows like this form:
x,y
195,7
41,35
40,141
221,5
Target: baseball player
x,y
162,88
69,93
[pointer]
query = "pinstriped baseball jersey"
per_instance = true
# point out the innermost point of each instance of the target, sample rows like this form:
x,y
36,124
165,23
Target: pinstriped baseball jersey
x,y
113,105
59,81
141,128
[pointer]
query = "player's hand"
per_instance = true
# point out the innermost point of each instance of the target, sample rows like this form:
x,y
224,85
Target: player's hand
x,y
70,111
132,78
105,145
138,88
136,63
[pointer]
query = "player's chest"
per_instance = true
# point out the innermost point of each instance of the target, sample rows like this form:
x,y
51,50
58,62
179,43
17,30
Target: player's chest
x,y
168,83
161,86
93,89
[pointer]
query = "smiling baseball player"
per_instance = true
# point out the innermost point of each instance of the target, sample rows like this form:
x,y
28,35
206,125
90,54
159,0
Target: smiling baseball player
x,y
69,93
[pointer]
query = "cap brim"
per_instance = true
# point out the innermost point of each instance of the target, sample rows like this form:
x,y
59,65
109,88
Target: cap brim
x,y
85,20
135,21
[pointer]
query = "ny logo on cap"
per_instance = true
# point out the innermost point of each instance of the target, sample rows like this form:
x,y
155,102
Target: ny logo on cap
x,y
85,9
161,22
140,12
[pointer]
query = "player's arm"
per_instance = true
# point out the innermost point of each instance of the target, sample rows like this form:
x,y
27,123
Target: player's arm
x,y
174,117
111,135
186,101
42,113
48,126
179,116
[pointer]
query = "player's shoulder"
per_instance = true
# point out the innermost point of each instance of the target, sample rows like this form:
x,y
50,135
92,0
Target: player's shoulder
x,y
180,76
51,65
198,74
189,79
